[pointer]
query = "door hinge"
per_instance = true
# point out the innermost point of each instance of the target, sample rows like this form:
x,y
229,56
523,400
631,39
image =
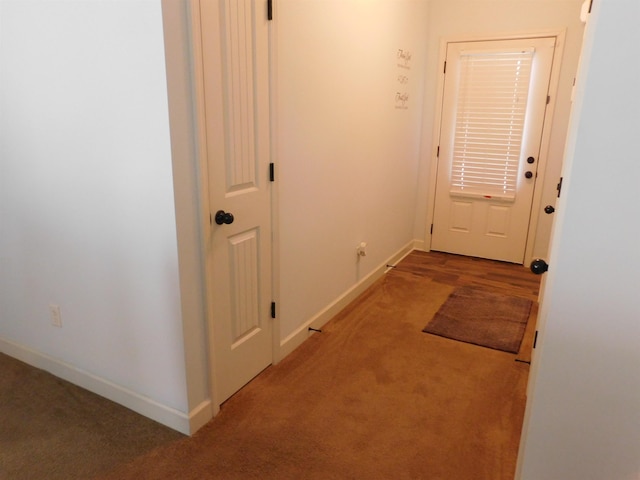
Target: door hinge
x,y
269,9
444,70
438,152
559,187
535,339
272,172
432,229
210,219
548,99
273,309
590,6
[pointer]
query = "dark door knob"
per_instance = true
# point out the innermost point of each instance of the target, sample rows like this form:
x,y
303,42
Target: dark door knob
x,y
528,174
531,160
549,209
223,217
539,266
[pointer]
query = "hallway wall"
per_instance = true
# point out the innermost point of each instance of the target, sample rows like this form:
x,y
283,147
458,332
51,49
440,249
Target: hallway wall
x,y
584,387
87,205
346,148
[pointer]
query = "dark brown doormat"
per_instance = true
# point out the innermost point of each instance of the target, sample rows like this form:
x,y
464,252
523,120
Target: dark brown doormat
x,y
482,318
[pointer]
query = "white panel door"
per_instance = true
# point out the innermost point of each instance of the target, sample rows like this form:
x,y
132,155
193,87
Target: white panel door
x,y
236,85
494,102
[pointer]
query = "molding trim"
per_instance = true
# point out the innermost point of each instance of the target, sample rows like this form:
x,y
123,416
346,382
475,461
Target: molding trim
x,y
200,416
559,34
145,406
295,339
419,245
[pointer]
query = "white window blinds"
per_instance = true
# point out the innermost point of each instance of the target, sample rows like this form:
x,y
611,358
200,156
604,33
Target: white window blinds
x,y
489,123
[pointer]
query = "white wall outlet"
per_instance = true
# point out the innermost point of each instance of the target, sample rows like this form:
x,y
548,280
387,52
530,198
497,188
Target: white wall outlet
x,y
54,313
361,250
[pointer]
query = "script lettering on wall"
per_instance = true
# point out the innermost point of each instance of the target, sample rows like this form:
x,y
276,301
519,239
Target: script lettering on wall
x,y
403,64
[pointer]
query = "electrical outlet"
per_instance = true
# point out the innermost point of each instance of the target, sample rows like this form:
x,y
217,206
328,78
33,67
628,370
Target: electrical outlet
x,y
54,313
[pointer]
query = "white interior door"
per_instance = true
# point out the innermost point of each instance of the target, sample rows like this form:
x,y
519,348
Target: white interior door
x,y
495,96
236,86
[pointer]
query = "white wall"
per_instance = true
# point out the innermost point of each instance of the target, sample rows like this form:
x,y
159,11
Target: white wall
x,y
347,158
87,198
455,19
583,416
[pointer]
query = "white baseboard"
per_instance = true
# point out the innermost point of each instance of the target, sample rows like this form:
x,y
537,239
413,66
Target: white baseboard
x,y
295,339
199,416
172,418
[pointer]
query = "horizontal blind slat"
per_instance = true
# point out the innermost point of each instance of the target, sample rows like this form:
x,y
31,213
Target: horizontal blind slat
x,y
489,124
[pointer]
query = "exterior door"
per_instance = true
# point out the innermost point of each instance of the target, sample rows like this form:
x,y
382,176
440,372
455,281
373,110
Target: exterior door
x,y
236,87
495,96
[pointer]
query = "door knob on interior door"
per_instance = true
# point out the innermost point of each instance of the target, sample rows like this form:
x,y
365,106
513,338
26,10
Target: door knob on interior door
x,y
549,209
528,174
223,217
539,266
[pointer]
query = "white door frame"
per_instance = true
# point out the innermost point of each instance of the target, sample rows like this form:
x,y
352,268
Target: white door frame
x,y
546,131
205,208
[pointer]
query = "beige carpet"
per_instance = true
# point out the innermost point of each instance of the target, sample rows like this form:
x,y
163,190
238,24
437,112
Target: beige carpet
x,y
484,318
53,430
372,397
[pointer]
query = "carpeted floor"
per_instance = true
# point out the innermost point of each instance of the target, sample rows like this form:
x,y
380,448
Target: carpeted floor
x,y
371,397
53,430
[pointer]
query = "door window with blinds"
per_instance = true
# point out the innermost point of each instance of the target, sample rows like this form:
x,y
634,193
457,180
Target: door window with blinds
x,y
494,101
489,122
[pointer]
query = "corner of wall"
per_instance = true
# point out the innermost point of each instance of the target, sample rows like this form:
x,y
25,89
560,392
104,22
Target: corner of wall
x,y
152,409
200,416
187,193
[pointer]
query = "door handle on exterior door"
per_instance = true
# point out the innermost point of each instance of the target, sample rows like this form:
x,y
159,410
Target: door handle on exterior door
x,y
529,174
223,217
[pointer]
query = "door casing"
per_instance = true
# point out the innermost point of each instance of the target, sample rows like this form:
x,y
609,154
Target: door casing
x,y
546,132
